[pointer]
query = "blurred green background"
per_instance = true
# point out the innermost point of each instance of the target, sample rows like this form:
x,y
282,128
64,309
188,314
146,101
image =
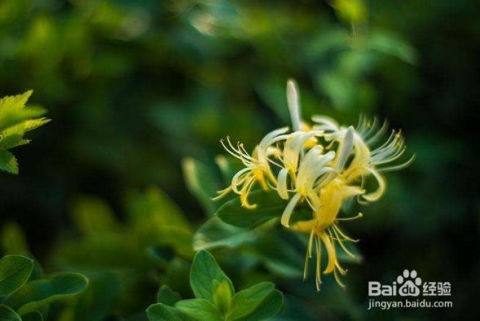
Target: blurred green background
x,y
134,87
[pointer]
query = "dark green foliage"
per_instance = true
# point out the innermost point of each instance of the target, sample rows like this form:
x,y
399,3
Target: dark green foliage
x,y
24,297
216,299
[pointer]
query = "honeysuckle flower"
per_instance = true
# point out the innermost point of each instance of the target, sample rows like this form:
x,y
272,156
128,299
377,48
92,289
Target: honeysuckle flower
x,y
324,229
257,167
325,196
318,166
368,159
310,173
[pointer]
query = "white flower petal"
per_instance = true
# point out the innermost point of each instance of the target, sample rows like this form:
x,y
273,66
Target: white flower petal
x,y
293,99
345,148
287,213
282,188
325,123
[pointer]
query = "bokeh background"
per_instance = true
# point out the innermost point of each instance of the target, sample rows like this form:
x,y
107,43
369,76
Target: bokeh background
x,y
134,87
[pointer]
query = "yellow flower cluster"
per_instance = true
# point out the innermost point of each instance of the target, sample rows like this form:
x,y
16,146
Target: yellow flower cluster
x,y
320,165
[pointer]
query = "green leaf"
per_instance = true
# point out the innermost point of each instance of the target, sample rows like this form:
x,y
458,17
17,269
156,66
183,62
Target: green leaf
x,y
216,233
13,111
390,44
32,124
287,263
157,220
268,308
7,314
39,293
222,296
12,140
351,11
156,205
167,296
163,312
37,272
108,250
15,121
92,215
269,206
247,301
13,239
14,273
200,309
33,316
8,162
177,275
272,92
201,182
203,273
97,301
324,43
13,136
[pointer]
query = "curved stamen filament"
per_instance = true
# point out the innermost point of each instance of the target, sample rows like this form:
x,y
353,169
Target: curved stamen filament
x,y
359,215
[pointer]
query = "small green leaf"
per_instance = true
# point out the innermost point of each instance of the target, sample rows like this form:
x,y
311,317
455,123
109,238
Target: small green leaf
x,y
92,215
32,124
39,293
222,296
163,312
201,182
157,220
216,233
7,314
12,140
99,299
156,205
287,263
15,121
246,301
8,162
268,308
13,239
106,250
14,273
13,136
203,273
32,316
351,11
177,275
167,296
13,111
390,44
269,206
37,272
199,309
